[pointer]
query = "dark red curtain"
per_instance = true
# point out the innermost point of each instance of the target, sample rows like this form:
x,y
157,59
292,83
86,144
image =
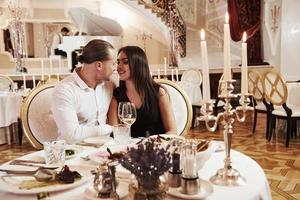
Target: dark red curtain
x,y
245,17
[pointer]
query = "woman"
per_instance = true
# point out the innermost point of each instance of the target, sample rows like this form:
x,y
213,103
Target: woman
x,y
154,112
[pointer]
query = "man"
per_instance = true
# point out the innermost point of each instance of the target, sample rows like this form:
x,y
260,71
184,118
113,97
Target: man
x,y
57,39
81,100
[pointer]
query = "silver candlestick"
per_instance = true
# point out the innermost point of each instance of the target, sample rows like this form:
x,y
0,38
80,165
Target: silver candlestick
x,y
226,176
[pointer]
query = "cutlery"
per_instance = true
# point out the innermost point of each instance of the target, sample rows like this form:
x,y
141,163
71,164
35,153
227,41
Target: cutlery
x,y
31,165
28,161
40,174
88,145
164,138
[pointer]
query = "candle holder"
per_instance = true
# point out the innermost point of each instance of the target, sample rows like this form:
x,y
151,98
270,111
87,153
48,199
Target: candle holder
x,y
226,176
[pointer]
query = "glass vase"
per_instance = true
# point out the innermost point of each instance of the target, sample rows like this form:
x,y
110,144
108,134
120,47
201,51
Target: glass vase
x,y
143,191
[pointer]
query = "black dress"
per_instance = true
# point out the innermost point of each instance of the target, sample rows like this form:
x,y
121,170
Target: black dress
x,y
147,123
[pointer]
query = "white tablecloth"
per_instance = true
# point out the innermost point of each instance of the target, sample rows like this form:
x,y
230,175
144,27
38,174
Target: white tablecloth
x,y
10,105
256,188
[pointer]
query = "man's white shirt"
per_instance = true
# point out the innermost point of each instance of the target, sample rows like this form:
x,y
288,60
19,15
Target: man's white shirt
x,y
80,111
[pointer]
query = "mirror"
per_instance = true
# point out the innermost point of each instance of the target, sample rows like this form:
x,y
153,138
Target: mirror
x,y
38,38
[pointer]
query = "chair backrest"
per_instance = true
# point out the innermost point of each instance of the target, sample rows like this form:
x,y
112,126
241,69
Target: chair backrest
x,y
255,85
36,116
5,83
275,88
193,76
181,105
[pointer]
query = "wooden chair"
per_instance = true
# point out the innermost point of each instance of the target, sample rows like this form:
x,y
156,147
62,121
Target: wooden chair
x,y
277,93
181,105
5,83
260,105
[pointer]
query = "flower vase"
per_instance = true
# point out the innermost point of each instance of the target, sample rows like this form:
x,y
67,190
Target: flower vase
x,y
137,192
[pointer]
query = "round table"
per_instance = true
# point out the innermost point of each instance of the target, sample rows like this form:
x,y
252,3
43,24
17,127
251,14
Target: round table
x,y
256,187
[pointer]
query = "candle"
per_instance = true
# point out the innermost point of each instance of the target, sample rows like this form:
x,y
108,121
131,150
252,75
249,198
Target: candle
x,y
158,73
227,59
176,71
244,66
33,81
51,65
42,66
24,81
206,84
59,65
49,76
57,76
151,74
165,60
172,74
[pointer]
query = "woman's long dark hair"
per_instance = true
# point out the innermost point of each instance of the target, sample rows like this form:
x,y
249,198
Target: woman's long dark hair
x,y
146,87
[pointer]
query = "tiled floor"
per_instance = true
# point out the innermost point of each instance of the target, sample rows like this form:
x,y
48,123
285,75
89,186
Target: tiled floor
x,y
281,165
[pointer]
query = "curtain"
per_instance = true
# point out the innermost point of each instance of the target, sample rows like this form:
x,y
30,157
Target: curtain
x,y
245,17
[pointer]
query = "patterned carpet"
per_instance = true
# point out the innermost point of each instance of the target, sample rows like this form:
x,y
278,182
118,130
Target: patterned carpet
x,y
281,165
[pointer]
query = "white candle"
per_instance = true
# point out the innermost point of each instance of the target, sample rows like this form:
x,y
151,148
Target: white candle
x,y
244,66
206,84
24,81
165,60
33,81
151,74
172,74
57,76
158,73
59,65
51,65
49,76
42,66
176,71
227,59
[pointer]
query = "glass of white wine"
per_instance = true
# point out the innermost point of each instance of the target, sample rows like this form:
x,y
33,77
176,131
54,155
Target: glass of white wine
x,y
127,113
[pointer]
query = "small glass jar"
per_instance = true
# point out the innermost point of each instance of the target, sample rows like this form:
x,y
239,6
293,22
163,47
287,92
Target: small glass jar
x,y
189,178
189,160
175,151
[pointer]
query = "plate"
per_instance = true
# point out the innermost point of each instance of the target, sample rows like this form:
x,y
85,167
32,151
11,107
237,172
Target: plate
x,y
11,183
91,194
101,156
98,140
204,191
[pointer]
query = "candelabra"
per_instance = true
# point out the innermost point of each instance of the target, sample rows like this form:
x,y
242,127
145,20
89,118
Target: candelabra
x,y
226,176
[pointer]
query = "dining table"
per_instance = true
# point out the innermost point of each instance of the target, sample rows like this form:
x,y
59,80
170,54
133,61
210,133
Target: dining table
x,y
255,188
10,106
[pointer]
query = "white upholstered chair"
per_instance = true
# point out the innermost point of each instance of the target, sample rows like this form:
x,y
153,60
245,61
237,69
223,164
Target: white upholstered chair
x,y
190,82
181,105
5,83
36,116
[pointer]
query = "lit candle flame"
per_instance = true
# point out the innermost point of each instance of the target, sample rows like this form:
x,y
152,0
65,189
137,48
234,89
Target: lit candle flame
x,y
226,18
202,34
244,37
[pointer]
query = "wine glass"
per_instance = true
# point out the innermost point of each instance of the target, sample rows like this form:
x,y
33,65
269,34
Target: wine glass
x,y
127,113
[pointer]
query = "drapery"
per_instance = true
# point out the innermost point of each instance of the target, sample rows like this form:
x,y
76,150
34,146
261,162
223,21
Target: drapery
x,y
245,17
